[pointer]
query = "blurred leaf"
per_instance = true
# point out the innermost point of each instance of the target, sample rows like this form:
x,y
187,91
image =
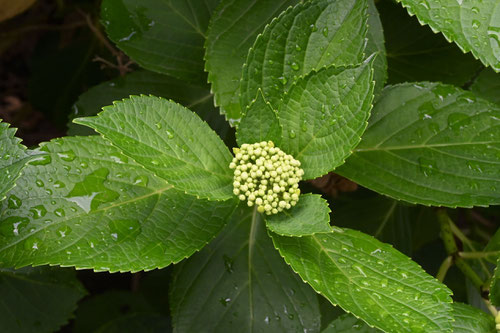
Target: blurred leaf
x,y
10,8
195,96
469,319
348,323
162,36
416,53
473,25
487,85
376,44
495,286
38,299
431,144
239,283
232,31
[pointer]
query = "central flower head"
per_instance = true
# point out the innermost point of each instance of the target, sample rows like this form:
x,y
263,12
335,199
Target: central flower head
x,y
266,177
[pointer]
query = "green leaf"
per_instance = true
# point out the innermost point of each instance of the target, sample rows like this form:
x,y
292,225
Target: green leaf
x,y
119,311
169,140
195,96
369,279
233,28
348,323
376,44
431,144
473,25
90,206
487,85
324,115
416,53
38,299
495,286
260,123
162,36
304,38
239,283
13,158
308,217
469,319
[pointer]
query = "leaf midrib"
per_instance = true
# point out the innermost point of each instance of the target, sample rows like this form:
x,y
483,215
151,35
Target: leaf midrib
x,y
377,148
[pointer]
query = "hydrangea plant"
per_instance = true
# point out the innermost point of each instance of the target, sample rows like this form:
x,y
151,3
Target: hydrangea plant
x,y
158,186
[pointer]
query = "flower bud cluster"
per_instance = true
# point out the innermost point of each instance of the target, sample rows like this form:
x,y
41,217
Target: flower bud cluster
x,y
266,177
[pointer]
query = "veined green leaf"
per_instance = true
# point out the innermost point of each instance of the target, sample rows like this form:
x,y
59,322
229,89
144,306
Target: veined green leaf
x,y
239,283
259,123
473,25
194,96
13,158
369,279
38,299
308,217
304,38
376,44
495,285
469,319
324,115
416,53
233,28
431,144
89,206
487,85
162,36
348,323
169,140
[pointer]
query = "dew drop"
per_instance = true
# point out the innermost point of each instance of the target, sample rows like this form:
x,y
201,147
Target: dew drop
x,y
141,180
60,212
228,263
121,230
63,231
325,31
59,184
295,66
158,125
292,134
13,225
67,156
38,211
41,160
14,202
427,166
31,244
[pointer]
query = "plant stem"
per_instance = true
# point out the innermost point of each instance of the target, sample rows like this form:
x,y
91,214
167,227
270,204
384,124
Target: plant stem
x,y
443,269
477,255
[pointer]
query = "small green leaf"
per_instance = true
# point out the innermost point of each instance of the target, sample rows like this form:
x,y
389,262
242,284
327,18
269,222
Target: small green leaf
x,y
469,319
376,44
473,25
169,140
324,115
369,279
13,158
487,86
348,323
308,217
90,206
431,144
495,286
259,123
38,299
194,96
304,38
162,36
416,53
239,283
233,28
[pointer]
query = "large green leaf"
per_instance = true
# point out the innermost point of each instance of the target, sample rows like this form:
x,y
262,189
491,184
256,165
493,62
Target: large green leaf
x,y
369,279
416,53
495,285
376,44
169,140
348,323
473,25
13,158
89,206
431,144
324,115
308,217
304,38
487,85
163,36
233,28
194,96
469,319
259,123
38,299
239,283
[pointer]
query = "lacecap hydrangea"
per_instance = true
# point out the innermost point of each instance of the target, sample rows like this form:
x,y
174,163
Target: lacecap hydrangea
x,y
266,177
